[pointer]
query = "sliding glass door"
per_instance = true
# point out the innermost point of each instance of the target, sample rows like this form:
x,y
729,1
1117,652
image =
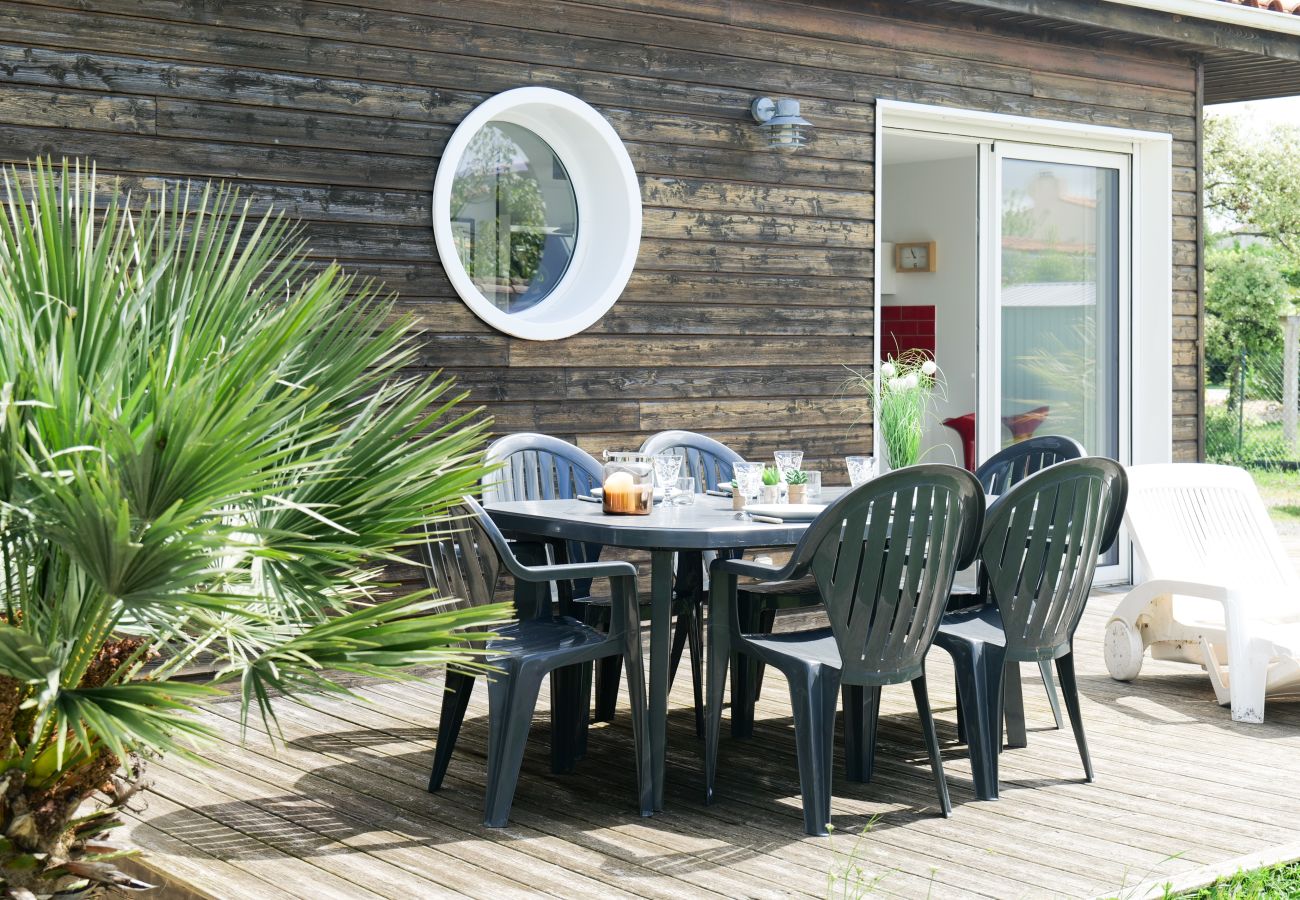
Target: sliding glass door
x,y
1053,330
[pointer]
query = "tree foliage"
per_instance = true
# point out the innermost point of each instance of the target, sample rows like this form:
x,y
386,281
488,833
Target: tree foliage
x,y
207,447
496,176
1252,261
1244,291
1252,183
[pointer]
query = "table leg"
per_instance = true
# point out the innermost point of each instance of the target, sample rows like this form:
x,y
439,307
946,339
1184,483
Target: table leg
x,y
688,598
661,622
568,717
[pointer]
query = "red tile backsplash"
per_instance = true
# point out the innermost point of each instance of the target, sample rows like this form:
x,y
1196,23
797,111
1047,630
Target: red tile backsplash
x,y
904,328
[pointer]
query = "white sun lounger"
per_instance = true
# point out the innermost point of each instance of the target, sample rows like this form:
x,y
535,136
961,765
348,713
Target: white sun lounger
x,y
1219,589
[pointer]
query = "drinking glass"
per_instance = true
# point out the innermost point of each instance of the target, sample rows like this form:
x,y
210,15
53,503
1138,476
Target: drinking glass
x,y
814,491
684,493
667,465
861,469
787,461
749,478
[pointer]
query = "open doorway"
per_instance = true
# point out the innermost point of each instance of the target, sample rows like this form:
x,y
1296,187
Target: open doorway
x,y
1023,311
929,204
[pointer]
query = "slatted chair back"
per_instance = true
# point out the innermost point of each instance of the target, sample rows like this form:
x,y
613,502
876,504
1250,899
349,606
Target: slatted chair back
x,y
1040,548
884,556
539,467
461,564
1012,465
708,461
1207,524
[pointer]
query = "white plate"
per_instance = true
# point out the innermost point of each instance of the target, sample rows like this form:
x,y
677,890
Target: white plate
x,y
791,512
597,492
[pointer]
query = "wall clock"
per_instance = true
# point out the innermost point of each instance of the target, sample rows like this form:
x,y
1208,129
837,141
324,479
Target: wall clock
x,y
914,256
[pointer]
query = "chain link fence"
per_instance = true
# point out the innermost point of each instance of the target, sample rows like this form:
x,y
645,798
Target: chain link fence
x,y
1246,421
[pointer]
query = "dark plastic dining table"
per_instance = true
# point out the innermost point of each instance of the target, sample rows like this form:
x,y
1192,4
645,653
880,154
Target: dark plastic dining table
x,y
708,524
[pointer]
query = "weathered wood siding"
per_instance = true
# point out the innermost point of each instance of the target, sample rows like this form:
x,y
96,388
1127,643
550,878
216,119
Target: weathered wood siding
x,y
754,283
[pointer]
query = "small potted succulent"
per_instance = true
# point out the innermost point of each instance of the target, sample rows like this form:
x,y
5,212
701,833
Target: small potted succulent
x,y
771,485
797,482
737,498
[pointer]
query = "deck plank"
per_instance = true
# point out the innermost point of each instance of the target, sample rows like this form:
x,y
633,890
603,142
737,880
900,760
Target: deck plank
x,y
341,805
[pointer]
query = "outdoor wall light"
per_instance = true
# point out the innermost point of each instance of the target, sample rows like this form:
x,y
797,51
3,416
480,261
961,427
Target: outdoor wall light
x,y
785,128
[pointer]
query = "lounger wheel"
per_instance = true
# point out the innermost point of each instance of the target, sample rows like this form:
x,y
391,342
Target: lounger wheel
x,y
1123,650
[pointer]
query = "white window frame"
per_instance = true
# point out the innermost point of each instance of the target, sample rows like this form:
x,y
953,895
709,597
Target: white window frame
x,y
608,196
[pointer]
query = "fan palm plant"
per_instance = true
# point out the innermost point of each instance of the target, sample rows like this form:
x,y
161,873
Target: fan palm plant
x,y
207,448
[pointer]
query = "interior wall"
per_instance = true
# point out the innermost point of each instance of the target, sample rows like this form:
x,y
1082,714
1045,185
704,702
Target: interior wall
x,y
937,201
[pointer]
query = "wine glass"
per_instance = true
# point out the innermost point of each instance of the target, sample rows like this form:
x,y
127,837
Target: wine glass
x,y
788,461
749,478
667,466
814,484
861,469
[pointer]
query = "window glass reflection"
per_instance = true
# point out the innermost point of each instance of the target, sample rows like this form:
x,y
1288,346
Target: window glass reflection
x,y
514,216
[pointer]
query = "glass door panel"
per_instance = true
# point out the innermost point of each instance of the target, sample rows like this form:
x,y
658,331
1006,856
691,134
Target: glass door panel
x,y
1059,300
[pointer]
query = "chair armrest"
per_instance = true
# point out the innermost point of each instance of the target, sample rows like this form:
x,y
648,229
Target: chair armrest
x,y
576,571
761,571
1137,600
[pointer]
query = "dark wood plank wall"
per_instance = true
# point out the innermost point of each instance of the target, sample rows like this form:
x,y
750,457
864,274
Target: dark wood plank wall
x,y
753,288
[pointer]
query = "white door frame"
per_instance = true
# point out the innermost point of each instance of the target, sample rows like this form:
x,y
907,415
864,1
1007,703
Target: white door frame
x,y
1150,325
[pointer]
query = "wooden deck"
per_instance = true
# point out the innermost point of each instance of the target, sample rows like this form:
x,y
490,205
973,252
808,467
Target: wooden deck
x,y
340,810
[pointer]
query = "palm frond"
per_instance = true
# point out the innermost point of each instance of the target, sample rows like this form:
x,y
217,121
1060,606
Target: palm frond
x,y
383,640
208,442
135,714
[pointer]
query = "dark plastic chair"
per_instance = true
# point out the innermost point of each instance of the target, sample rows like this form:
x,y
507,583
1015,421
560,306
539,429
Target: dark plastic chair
x,y
1016,462
465,564
708,461
883,556
999,473
1039,552
541,467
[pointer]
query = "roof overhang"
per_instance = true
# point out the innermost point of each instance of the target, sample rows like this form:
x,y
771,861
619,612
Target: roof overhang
x,y
1249,54
1225,13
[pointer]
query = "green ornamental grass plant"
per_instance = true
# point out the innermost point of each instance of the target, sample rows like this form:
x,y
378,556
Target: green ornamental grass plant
x,y
207,448
907,383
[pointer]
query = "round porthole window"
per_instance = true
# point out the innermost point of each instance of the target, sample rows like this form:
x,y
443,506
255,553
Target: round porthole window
x,y
537,213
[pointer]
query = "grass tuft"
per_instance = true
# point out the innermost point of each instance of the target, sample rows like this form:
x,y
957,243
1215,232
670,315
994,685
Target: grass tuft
x,y
1270,882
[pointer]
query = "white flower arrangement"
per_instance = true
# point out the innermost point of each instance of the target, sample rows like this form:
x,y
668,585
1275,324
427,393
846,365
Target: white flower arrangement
x,y
907,383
